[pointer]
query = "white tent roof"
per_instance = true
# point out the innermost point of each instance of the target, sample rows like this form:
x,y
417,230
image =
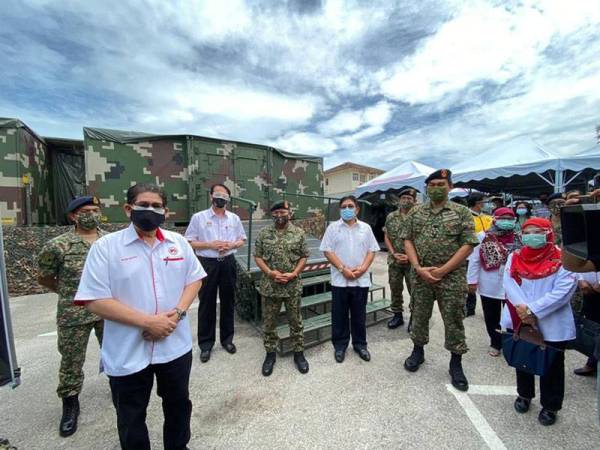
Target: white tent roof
x,y
519,165
409,173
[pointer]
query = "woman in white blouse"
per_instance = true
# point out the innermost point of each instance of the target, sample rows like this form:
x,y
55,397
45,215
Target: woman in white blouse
x,y
538,292
486,267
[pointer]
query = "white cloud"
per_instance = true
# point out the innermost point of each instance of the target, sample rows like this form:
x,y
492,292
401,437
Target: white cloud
x,y
373,117
304,142
483,42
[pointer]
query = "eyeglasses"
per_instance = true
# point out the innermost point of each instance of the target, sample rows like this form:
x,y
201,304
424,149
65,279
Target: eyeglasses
x,y
158,208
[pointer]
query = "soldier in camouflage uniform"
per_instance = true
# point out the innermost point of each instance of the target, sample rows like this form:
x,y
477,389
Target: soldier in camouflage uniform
x,y
60,265
398,265
281,253
439,237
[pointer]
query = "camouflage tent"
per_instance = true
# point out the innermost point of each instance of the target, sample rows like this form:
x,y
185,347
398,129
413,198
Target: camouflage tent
x,y
25,178
187,165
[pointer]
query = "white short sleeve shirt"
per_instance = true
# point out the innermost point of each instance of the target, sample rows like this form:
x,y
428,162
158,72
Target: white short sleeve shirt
x,y
206,226
351,245
124,267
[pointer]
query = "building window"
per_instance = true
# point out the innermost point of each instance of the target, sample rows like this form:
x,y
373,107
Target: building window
x,y
363,178
326,181
354,176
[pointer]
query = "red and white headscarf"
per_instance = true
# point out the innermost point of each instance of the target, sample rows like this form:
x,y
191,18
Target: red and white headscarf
x,y
535,263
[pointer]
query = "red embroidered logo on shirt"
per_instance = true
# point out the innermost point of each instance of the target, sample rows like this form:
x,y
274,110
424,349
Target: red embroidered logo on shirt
x,y
172,250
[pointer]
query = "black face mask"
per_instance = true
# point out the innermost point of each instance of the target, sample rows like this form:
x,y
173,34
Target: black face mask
x,y
219,202
147,220
281,220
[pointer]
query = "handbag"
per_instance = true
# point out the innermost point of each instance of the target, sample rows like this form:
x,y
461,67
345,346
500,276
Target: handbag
x,y
588,333
525,348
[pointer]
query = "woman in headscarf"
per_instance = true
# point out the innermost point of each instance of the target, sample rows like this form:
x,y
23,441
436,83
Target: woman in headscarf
x,y
486,265
523,211
538,292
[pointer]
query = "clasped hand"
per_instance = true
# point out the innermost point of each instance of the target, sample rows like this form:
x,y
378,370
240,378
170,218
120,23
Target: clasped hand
x,y
160,326
431,275
281,277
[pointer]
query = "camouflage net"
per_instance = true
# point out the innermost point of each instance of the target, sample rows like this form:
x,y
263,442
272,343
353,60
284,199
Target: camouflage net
x,y
21,246
313,226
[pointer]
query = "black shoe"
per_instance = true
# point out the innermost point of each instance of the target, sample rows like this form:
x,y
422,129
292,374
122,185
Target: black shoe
x,y
547,417
396,321
68,422
522,405
267,367
230,348
301,362
363,353
585,371
204,355
340,355
459,380
416,358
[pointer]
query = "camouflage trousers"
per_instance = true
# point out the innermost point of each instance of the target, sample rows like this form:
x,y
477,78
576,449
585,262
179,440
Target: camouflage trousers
x,y
72,345
397,275
271,308
450,296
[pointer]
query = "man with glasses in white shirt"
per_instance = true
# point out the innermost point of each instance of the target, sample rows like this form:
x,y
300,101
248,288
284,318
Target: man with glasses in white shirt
x,y
141,281
216,234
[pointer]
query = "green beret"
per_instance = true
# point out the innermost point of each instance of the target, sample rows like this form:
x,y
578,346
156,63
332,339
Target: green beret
x,y
407,191
441,174
282,204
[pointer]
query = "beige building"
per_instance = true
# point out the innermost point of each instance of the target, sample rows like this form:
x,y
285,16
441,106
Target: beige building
x,y
348,176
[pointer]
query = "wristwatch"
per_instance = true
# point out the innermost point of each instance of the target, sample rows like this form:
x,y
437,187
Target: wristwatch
x,y
341,269
528,311
180,313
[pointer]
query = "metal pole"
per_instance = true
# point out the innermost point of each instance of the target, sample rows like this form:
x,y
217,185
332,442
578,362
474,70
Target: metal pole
x,y
328,211
249,233
15,372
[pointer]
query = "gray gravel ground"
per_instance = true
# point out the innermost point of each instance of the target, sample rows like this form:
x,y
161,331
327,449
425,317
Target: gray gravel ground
x,y
336,406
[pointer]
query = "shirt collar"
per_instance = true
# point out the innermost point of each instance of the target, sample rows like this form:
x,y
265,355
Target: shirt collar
x,y
212,212
131,235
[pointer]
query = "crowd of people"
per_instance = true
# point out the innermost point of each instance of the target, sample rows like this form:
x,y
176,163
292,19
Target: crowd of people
x,y
135,286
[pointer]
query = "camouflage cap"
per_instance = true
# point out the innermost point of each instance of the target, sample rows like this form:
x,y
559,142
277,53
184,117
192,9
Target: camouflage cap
x,y
441,174
282,204
78,202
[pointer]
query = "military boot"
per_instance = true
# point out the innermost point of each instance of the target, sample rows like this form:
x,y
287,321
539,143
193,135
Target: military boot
x,y
396,321
416,358
68,422
267,367
459,380
301,362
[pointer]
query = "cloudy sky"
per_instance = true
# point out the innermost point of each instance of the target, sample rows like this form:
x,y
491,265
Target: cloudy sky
x,y
375,82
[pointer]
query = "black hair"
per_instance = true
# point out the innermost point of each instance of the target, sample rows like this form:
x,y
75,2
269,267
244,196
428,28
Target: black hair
x,y
349,197
527,205
140,188
473,199
212,188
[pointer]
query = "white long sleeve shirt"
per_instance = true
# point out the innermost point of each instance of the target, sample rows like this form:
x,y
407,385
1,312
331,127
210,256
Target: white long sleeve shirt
x,y
548,298
489,282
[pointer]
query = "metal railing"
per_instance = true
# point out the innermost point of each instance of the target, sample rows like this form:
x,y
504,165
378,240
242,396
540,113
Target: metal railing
x,y
323,197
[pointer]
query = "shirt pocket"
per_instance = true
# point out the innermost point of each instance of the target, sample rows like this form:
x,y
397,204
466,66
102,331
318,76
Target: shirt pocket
x,y
451,224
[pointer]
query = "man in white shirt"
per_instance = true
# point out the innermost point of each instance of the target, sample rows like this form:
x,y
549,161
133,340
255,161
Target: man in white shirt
x,y
141,281
216,234
350,245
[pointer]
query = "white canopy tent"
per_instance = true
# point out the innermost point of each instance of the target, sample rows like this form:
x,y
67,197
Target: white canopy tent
x,y
521,166
409,174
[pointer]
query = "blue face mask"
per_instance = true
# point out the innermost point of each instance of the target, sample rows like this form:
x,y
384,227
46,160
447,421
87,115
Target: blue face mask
x,y
521,211
534,240
505,224
348,214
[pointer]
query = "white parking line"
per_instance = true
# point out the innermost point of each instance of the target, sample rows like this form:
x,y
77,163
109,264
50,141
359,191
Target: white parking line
x,y
52,333
481,425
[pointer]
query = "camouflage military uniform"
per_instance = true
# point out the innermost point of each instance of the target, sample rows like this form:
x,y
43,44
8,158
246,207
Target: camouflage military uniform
x,y
281,250
64,257
397,272
436,237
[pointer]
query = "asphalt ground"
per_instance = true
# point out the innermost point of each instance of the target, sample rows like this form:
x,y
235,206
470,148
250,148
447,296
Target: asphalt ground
x,y
336,406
